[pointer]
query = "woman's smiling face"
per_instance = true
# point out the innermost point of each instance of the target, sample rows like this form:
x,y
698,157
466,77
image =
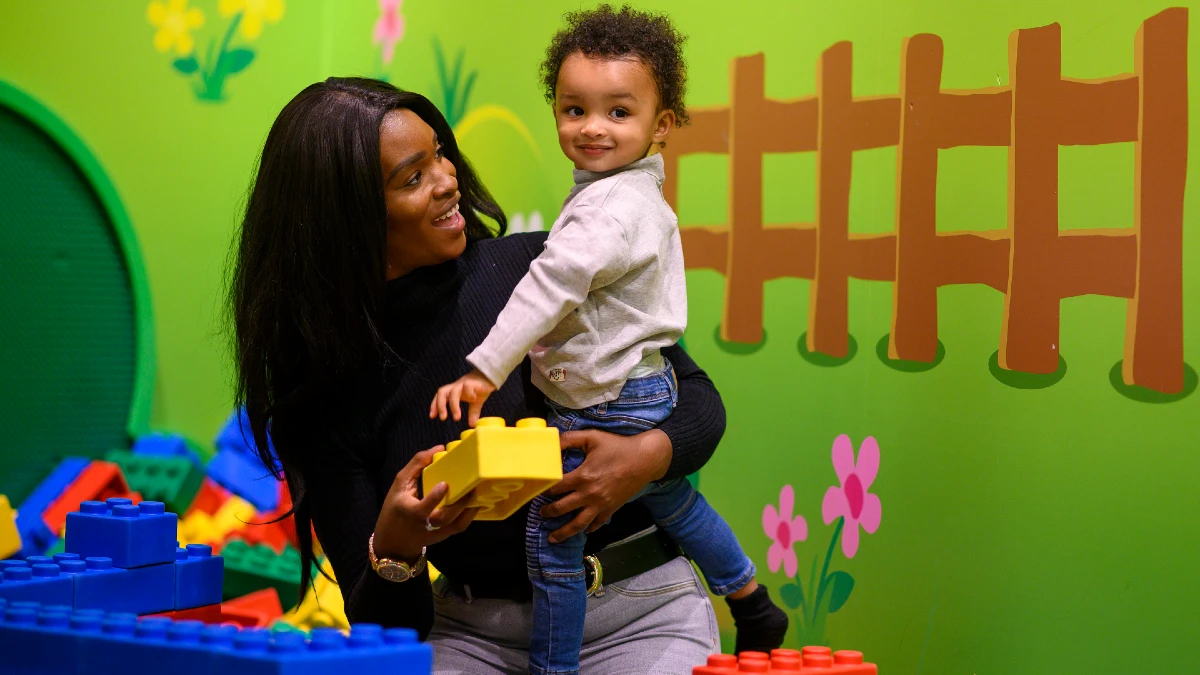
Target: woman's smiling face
x,y
420,188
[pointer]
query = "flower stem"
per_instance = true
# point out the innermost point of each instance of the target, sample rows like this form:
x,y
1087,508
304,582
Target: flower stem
x,y
214,78
803,602
825,568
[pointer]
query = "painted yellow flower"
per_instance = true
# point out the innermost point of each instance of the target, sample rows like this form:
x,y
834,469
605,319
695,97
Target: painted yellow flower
x,y
253,13
175,23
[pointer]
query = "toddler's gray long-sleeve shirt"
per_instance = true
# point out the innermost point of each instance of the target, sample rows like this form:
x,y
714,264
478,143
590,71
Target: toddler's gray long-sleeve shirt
x,y
606,294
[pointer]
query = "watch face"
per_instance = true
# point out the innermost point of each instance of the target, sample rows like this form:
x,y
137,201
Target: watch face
x,y
393,571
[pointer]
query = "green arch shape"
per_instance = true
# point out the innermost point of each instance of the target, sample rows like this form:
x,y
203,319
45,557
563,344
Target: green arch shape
x,y
29,111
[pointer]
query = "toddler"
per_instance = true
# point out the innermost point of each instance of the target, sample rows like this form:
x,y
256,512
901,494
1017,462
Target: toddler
x,y
598,305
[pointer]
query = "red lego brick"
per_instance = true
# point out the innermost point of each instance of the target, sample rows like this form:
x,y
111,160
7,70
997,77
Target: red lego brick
x,y
210,614
209,498
98,482
270,535
811,661
288,524
260,531
267,529
253,610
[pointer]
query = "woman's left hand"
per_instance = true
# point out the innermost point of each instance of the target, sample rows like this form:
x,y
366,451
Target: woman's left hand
x,y
614,469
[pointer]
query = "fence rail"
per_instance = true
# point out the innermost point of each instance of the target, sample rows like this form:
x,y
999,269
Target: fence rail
x,y
1031,261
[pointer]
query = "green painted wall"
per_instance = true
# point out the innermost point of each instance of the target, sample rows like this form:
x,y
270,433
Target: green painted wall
x,y
1024,530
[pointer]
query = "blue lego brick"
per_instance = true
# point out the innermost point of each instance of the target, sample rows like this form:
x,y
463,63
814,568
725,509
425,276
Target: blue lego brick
x,y
54,485
96,584
41,582
54,639
133,536
155,587
36,639
199,576
246,477
141,590
369,648
130,646
35,536
237,436
165,445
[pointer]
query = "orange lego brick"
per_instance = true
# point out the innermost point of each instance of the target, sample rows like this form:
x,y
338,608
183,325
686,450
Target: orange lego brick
x,y
210,614
99,481
809,661
209,498
253,610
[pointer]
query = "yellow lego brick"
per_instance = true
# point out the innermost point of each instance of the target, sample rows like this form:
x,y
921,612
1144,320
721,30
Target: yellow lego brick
x,y
506,466
322,606
234,514
10,538
200,528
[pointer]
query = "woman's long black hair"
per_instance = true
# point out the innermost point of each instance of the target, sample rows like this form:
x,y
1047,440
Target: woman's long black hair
x,y
307,279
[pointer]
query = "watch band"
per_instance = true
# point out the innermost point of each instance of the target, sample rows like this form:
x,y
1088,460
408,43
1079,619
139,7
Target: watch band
x,y
394,570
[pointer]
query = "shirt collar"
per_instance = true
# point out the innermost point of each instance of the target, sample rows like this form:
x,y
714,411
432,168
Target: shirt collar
x,y
652,165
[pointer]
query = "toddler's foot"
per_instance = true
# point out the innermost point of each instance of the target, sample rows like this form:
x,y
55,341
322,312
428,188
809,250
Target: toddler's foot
x,y
760,624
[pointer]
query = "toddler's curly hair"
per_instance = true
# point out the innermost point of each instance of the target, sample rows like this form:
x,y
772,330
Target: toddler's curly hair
x,y
607,33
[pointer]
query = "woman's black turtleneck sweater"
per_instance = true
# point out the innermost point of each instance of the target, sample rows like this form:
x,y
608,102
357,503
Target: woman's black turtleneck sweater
x,y
434,317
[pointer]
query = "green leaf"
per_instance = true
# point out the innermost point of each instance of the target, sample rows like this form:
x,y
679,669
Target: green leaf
x,y
465,94
447,93
236,60
186,65
792,594
458,63
842,584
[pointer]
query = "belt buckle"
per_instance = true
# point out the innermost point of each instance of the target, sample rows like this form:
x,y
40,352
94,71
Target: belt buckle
x,y
596,570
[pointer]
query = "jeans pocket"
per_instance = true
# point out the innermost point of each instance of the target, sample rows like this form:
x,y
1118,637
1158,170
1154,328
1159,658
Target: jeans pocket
x,y
641,413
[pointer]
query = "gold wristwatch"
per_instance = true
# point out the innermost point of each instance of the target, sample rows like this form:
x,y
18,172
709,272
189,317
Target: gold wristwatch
x,y
394,570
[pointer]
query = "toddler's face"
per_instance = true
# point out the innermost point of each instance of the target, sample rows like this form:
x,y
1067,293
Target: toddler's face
x,y
607,111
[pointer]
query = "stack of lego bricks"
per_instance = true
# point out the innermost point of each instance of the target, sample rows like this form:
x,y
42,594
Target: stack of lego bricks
x,y
232,512
809,661
55,639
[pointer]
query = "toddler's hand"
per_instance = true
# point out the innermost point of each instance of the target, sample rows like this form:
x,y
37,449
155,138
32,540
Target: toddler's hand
x,y
472,388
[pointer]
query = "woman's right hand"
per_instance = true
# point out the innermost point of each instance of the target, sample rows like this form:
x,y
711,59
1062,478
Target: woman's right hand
x,y
400,531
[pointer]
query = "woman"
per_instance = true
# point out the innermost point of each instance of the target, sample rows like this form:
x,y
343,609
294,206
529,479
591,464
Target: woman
x,y
363,275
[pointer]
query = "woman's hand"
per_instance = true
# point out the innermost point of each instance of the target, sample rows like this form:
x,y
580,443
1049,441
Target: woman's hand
x,y
614,470
400,531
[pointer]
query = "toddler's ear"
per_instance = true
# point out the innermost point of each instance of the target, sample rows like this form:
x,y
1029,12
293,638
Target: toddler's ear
x,y
663,126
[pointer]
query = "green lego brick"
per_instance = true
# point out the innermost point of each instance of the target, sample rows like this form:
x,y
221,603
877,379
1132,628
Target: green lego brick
x,y
173,481
253,568
281,626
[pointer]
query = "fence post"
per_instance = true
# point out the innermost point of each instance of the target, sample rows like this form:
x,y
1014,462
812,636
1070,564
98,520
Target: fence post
x,y
1154,320
914,295
933,120
1029,334
827,304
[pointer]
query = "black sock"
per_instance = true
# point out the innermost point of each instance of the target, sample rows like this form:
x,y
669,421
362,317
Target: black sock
x,y
760,624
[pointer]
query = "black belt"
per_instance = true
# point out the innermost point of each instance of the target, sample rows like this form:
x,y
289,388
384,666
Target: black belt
x,y
613,564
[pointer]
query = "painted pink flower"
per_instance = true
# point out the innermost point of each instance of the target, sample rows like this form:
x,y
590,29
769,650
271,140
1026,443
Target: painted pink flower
x,y
389,28
852,501
785,531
